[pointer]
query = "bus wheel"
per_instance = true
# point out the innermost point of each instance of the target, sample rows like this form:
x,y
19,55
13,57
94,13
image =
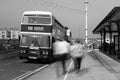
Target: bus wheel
x,y
29,60
20,57
51,59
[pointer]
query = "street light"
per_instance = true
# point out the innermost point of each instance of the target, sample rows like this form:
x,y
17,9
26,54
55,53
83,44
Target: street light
x,y
86,22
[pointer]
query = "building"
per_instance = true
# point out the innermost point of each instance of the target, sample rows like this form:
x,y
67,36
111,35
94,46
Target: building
x,y
9,33
109,29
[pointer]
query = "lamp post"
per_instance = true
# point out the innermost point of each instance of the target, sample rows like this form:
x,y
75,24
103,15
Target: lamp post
x,y
86,22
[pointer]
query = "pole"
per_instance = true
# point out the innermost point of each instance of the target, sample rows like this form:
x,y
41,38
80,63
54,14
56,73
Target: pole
x,y
86,22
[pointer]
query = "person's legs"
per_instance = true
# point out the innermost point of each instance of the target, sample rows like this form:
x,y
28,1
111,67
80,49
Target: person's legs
x,y
78,63
57,63
64,66
57,67
75,63
63,60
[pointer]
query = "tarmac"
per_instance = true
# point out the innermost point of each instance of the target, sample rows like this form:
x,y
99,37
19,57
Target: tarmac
x,y
8,54
95,66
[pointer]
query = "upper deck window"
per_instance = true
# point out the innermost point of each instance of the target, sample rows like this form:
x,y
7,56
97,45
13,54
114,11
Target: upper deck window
x,y
37,19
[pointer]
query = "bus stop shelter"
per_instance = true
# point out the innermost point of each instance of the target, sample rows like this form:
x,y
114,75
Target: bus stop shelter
x,y
109,29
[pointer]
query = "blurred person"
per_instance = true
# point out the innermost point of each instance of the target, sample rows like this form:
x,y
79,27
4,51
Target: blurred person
x,y
77,54
62,51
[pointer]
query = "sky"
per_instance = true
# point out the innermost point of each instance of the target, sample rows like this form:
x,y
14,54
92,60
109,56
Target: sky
x,y
69,13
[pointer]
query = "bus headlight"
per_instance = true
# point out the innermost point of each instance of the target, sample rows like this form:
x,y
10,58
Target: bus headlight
x,y
45,52
22,51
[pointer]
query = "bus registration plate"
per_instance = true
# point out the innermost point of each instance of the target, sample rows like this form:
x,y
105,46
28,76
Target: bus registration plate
x,y
32,57
33,47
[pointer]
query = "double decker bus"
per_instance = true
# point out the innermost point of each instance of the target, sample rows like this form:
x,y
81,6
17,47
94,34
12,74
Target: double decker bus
x,y
39,30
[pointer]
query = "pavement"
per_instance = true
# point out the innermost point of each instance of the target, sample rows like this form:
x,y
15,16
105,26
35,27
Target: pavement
x,y
95,66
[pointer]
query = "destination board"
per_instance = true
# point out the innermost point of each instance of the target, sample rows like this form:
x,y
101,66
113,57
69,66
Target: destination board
x,y
36,28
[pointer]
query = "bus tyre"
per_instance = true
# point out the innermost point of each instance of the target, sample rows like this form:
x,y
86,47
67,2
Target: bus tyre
x,y
20,57
51,59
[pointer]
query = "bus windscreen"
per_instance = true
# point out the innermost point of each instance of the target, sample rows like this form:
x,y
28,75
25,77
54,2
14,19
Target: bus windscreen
x,y
35,40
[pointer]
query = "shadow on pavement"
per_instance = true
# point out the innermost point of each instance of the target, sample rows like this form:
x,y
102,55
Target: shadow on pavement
x,y
83,71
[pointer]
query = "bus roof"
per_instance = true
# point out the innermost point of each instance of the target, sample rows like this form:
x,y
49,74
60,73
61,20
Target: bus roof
x,y
36,12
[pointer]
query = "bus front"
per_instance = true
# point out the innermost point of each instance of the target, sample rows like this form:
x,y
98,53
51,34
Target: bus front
x,y
35,37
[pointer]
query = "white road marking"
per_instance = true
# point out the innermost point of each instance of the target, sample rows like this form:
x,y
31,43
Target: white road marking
x,y
18,61
29,73
65,77
7,63
17,78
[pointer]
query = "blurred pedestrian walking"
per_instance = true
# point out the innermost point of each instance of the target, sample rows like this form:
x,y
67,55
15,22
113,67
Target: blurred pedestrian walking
x,y
62,53
77,54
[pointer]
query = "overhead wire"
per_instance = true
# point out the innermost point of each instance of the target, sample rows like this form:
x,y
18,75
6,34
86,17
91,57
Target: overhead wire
x,y
56,6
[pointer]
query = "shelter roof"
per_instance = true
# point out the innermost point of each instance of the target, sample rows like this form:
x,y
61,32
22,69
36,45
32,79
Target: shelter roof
x,y
113,15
